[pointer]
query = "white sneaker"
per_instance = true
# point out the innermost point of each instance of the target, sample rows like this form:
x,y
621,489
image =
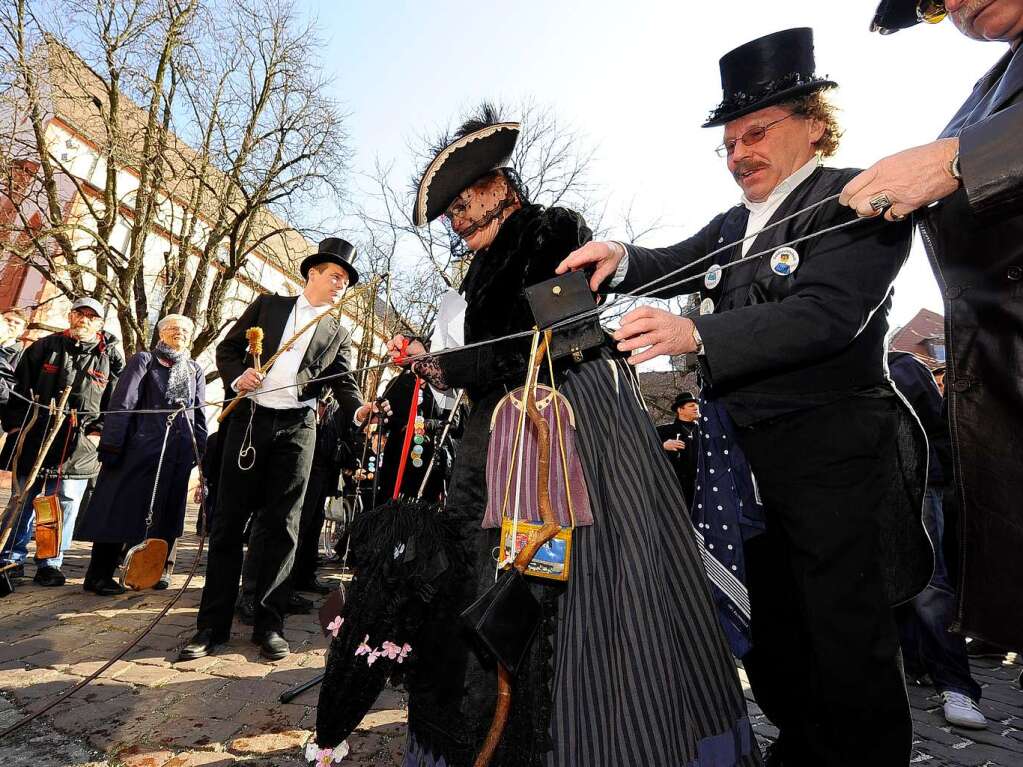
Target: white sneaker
x,y
961,711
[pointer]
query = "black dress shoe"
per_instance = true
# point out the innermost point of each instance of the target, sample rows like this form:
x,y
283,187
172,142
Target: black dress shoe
x,y
164,583
272,645
312,585
49,576
298,605
202,644
246,610
107,587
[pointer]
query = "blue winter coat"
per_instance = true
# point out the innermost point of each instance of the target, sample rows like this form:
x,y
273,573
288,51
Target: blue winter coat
x,y
130,451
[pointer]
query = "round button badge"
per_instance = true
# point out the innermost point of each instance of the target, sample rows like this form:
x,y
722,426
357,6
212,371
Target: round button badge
x,y
712,277
784,261
707,306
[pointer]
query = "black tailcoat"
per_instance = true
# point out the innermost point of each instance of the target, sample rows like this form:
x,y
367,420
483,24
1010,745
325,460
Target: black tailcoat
x,y
327,354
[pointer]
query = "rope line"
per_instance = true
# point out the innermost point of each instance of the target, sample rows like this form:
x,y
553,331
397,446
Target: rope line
x,y
641,292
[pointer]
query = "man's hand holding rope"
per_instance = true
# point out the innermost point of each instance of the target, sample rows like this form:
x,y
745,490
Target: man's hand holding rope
x,y
655,331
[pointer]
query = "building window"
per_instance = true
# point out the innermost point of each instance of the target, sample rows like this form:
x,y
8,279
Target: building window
x,y
936,348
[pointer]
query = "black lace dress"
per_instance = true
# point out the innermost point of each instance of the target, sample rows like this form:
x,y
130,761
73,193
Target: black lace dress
x,y
630,667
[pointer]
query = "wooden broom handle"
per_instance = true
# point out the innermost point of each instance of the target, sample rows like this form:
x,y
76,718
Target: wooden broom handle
x,y
537,538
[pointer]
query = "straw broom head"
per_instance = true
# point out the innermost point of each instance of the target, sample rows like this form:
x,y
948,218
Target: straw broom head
x,y
255,338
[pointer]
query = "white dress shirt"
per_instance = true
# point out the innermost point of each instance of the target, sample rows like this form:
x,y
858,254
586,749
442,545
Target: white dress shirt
x,y
759,213
285,369
448,333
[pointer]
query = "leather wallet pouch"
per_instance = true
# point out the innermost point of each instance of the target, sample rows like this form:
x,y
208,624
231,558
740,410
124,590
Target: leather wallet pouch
x,y
506,618
49,525
559,299
144,563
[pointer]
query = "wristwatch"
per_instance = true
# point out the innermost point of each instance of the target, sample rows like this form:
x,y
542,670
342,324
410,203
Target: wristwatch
x,y
698,340
953,168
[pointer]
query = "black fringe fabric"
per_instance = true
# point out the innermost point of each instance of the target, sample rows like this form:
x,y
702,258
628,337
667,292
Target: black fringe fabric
x,y
398,553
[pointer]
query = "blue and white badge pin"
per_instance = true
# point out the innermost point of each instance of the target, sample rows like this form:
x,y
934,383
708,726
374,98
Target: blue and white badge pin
x,y
784,261
712,277
707,306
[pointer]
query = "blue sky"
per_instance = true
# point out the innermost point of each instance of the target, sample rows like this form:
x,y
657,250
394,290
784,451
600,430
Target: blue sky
x,y
636,80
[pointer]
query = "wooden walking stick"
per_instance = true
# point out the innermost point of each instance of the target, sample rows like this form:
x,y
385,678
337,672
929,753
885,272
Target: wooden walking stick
x,y
536,539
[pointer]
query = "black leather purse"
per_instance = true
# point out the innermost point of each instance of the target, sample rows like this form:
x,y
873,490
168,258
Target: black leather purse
x,y
561,298
506,618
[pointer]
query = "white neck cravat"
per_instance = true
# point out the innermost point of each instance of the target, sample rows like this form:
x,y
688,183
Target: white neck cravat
x,y
760,212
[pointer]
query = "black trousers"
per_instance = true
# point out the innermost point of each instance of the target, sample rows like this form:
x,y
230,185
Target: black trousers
x,y
825,664
274,487
320,483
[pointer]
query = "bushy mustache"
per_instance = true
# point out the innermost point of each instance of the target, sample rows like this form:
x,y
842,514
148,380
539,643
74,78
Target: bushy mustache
x,y
745,166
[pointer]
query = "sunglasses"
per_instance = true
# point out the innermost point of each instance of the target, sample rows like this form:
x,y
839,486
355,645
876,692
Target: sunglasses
x,y
931,11
753,136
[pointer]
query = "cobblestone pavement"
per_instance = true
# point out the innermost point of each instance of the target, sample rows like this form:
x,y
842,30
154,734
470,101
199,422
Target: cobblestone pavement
x,y
224,710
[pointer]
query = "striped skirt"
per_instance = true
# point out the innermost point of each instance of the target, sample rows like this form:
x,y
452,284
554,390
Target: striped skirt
x,y
641,673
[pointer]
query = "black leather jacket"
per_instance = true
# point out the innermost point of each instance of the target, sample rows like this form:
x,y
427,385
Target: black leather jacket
x,y
975,242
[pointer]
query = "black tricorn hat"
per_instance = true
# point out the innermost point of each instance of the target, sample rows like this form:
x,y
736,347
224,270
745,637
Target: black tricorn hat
x,y
460,164
332,250
684,398
767,71
893,15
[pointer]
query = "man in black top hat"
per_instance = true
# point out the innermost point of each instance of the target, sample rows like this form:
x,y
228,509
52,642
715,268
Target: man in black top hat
x,y
680,440
268,443
965,193
791,348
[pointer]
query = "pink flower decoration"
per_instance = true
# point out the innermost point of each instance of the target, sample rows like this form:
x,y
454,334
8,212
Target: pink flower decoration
x,y
335,625
325,757
372,658
364,648
390,649
405,650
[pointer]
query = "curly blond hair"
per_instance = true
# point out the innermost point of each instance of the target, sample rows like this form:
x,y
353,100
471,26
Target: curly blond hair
x,y
816,106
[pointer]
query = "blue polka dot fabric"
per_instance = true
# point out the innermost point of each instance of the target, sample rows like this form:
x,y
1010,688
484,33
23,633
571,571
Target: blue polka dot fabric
x,y
726,511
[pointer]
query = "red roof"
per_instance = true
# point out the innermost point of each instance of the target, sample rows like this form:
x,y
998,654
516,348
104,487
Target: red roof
x,y
913,337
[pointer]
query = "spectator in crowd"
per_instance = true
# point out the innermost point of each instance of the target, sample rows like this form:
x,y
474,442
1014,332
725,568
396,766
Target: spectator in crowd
x,y
147,457
927,644
12,327
77,357
681,441
427,425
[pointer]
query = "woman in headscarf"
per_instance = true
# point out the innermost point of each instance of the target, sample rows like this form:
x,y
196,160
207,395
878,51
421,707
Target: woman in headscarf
x,y
164,379
630,666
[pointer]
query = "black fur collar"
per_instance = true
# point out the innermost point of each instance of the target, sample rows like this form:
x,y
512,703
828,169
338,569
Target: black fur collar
x,y
527,249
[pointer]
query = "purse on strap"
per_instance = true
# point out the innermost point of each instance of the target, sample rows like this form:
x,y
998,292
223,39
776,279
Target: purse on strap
x,y
506,618
49,525
559,299
143,564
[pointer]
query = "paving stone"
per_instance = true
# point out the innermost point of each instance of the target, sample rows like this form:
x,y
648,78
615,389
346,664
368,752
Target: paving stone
x,y
190,733
152,759
271,743
200,759
149,676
